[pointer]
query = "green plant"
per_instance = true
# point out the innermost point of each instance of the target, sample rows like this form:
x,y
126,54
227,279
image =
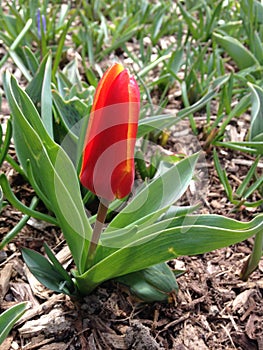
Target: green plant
x,y
9,317
143,234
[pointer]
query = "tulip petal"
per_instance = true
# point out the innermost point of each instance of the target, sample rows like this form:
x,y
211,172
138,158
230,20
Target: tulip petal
x,y
108,157
105,85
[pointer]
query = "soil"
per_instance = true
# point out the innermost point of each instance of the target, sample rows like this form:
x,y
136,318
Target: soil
x,y
214,308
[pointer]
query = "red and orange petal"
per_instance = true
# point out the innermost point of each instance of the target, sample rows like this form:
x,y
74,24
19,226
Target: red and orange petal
x,y
122,178
113,122
105,84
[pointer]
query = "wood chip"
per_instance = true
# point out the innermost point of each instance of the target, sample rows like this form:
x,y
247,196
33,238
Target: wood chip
x,y
115,341
246,162
240,301
40,309
53,323
5,276
64,256
254,327
6,345
38,341
23,292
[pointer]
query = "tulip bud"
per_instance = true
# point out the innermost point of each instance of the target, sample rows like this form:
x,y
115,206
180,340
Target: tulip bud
x,y
108,156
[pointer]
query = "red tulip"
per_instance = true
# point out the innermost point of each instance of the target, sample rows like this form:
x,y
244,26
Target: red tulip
x,y
108,156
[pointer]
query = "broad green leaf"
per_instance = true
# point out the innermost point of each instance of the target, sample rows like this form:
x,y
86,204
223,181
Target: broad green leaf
x,y
155,198
256,127
58,267
113,241
63,84
20,64
156,283
240,54
46,99
39,90
44,271
32,61
258,47
9,317
258,9
199,234
71,71
71,113
52,170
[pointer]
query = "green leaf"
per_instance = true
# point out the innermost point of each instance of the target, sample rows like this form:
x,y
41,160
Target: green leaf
x,y
59,268
44,271
240,108
35,86
152,65
240,54
222,175
188,235
39,90
9,317
61,43
46,99
52,170
5,145
155,198
155,283
254,258
243,146
258,47
258,9
190,21
63,84
157,122
255,185
212,92
175,62
244,184
16,58
71,114
32,61
256,128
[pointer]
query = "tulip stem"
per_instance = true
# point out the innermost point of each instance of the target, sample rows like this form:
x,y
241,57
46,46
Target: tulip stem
x,y
100,219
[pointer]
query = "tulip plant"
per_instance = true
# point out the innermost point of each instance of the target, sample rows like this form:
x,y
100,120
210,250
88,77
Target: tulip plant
x,y
135,245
